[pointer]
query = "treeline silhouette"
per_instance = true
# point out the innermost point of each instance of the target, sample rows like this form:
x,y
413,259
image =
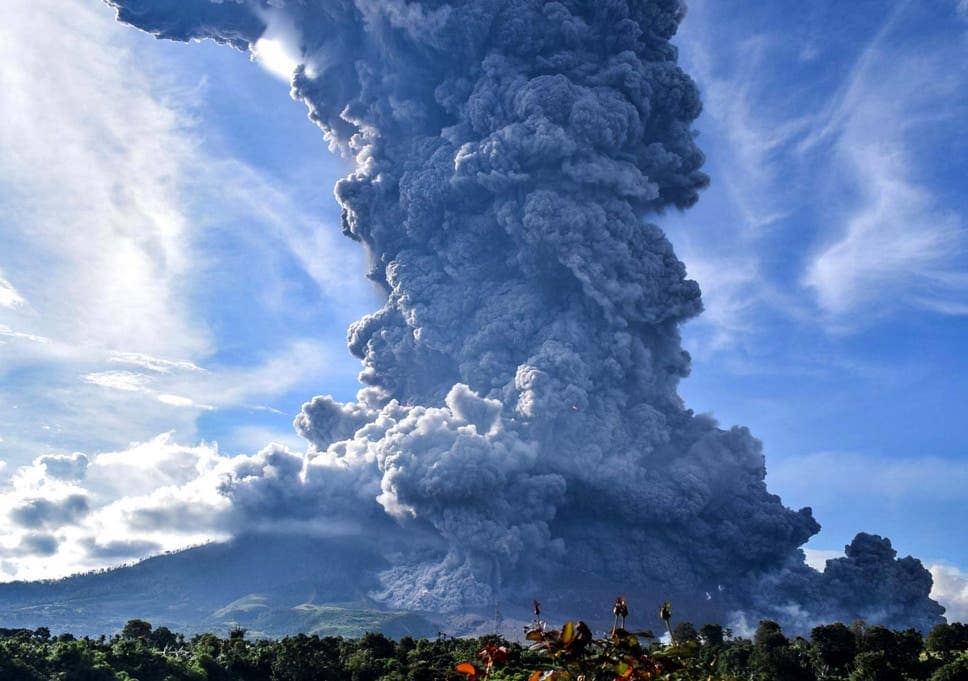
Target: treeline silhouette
x,y
833,652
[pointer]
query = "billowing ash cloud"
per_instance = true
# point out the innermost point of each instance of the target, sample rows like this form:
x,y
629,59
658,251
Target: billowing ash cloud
x,y
519,420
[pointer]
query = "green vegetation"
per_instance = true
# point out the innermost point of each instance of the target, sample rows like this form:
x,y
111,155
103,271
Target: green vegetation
x,y
834,652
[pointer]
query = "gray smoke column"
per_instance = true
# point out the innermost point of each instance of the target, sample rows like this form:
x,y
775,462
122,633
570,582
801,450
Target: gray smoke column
x,y
519,422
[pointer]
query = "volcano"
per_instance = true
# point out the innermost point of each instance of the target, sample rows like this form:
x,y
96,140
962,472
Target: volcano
x,y
271,585
518,431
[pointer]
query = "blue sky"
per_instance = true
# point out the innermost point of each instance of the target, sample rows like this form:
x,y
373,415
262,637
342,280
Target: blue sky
x,y
193,280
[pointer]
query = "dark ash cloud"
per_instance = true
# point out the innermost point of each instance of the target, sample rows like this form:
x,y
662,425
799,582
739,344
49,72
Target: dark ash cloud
x,y
519,420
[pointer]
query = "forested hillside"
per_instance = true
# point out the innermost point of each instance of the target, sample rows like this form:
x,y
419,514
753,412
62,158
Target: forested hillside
x,y
710,653
272,585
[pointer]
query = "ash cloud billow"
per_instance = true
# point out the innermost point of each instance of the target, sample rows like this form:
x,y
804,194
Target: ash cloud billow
x,y
518,428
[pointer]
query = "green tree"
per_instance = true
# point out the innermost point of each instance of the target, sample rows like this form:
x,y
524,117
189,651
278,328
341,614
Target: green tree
x,y
874,665
308,658
947,640
163,638
735,660
888,655
378,645
832,650
712,635
685,633
136,629
773,657
206,644
76,661
906,655
956,670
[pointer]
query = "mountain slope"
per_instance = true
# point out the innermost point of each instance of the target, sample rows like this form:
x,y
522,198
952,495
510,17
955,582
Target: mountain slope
x,y
269,584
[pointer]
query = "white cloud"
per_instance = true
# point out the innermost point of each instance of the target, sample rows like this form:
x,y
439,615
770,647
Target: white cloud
x,y
853,176
7,332
951,590
109,200
322,252
157,364
896,244
286,437
67,514
93,201
731,288
276,374
753,138
148,466
723,239
187,385
180,401
9,296
277,49
90,509
118,380
275,56
97,158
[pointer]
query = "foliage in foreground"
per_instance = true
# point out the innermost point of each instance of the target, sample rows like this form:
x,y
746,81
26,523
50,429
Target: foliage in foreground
x,y
833,652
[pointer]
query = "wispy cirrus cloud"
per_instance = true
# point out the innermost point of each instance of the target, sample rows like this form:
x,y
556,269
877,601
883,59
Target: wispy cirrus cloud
x,y
827,207
156,364
751,139
117,380
7,332
117,220
187,385
96,164
94,202
749,133
897,244
9,296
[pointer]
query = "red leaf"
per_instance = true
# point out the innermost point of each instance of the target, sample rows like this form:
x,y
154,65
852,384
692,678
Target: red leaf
x,y
468,669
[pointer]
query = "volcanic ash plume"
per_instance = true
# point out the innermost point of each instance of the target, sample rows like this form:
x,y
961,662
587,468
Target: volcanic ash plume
x,y
519,423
